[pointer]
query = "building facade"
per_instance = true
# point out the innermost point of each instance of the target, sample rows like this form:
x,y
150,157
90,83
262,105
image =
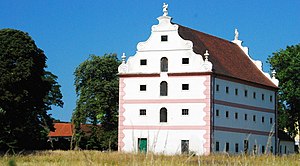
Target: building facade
x,y
186,91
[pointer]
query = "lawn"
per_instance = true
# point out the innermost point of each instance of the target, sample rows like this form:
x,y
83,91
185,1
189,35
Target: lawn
x,y
76,158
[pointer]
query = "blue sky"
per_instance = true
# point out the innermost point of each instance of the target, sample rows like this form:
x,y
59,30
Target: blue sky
x,y
68,31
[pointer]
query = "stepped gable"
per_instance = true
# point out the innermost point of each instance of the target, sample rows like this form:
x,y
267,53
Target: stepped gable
x,y
228,59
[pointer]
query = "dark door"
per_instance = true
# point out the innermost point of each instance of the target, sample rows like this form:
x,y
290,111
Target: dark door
x,y
184,146
142,144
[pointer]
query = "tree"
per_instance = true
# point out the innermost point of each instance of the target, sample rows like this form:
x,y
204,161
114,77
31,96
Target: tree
x,y
27,92
97,88
286,63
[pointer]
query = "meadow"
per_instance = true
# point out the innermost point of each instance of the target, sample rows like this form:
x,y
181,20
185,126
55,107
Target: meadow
x,y
81,158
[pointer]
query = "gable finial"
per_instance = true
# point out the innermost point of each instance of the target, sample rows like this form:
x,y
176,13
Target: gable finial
x,y
206,55
236,36
273,74
165,9
123,58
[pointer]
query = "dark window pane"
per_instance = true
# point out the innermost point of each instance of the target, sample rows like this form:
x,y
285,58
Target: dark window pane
x,y
185,60
143,62
163,115
142,112
185,86
164,64
164,38
164,88
143,87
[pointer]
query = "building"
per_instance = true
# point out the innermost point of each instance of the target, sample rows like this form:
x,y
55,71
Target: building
x,y
286,143
186,91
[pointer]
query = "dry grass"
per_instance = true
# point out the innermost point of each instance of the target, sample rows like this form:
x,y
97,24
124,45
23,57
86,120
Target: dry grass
x,y
76,158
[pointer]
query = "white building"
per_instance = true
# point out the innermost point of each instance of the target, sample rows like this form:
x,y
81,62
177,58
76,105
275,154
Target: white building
x,y
187,91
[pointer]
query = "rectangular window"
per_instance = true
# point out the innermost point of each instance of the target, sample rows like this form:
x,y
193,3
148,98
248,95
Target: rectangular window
x,y
143,62
142,111
254,118
185,112
271,120
236,92
246,93
185,86
262,97
227,114
263,119
236,115
262,149
246,117
217,88
164,37
236,147
271,149
254,95
227,147
185,60
217,146
184,146
246,146
271,98
143,87
217,113
227,89
254,149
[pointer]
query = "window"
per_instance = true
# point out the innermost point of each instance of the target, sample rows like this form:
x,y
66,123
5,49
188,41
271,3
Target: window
x,y
236,147
236,92
185,60
254,95
163,115
246,93
227,89
227,114
164,88
143,88
217,113
185,86
284,149
142,111
236,115
254,118
184,146
246,116
164,38
271,98
227,147
217,88
262,97
263,149
271,149
143,62
142,145
246,146
254,149
185,111
263,119
164,64
271,120
217,146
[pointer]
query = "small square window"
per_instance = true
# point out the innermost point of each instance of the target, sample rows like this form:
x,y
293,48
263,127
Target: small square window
x,y
217,113
142,111
236,92
164,38
185,111
185,60
143,88
236,115
217,88
143,62
254,118
262,96
185,86
227,114
246,117
227,89
271,98
246,93
254,95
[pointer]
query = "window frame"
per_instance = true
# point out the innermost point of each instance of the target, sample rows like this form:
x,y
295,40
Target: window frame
x,y
185,112
185,87
143,88
185,61
143,111
143,62
164,38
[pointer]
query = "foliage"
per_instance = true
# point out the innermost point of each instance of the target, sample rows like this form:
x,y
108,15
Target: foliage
x,y
27,91
287,65
97,87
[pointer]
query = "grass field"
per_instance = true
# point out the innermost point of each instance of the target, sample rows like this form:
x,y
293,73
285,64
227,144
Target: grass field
x,y
82,158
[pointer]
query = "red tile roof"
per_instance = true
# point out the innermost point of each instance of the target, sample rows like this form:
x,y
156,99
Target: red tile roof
x,y
228,59
66,130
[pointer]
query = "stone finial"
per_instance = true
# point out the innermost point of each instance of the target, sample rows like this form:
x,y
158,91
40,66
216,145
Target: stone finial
x,y
165,9
236,36
123,58
206,55
273,73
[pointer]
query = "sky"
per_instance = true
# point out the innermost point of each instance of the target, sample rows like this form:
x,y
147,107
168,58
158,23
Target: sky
x,y
70,30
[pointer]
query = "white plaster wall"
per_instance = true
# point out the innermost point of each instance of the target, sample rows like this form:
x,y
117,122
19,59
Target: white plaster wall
x,y
175,117
290,147
240,98
232,138
196,87
165,141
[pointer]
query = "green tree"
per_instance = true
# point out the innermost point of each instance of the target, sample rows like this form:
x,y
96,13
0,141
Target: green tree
x,y
27,92
286,63
97,88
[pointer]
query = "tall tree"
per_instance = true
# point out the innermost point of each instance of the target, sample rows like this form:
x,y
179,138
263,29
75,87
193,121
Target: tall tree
x,y
287,65
97,88
27,92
